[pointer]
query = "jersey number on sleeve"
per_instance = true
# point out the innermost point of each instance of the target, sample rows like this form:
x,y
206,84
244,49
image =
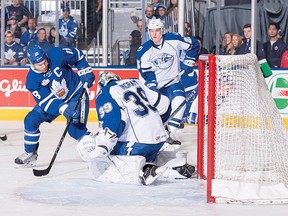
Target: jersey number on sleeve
x,y
139,98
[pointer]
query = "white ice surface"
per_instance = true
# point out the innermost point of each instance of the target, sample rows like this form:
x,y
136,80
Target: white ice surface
x,y
68,189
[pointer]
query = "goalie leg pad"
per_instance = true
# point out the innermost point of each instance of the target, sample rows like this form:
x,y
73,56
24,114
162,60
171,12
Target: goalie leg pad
x,y
118,169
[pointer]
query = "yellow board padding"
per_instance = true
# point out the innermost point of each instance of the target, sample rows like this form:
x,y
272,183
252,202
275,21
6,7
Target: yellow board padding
x,y
254,122
19,115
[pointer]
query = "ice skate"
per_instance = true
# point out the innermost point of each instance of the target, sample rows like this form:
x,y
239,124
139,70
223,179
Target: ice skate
x,y
151,173
26,160
186,170
173,142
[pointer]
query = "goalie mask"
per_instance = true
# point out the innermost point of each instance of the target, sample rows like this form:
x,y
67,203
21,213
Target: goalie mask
x,y
106,77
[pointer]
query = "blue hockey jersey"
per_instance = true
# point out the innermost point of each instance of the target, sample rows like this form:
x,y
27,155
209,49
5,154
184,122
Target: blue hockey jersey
x,y
60,83
13,50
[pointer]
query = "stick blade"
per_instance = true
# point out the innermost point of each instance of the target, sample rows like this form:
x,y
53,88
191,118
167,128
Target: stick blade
x,y
41,172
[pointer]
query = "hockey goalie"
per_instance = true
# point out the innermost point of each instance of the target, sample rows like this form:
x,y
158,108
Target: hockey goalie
x,y
128,147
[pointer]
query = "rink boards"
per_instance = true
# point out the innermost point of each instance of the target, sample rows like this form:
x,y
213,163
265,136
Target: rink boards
x,y
16,101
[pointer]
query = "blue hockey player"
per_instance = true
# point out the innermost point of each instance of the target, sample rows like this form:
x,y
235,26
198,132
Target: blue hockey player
x,y
159,66
189,80
121,149
56,89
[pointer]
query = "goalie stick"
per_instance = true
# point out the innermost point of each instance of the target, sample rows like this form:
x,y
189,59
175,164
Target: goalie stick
x,y
47,170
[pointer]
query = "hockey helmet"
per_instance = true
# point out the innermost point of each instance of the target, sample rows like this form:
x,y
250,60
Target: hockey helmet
x,y
106,77
35,54
155,24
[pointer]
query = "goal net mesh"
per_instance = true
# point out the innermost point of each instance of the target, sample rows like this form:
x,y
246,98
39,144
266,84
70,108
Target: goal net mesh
x,y
251,148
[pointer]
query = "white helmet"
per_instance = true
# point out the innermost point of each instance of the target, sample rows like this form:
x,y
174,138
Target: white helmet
x,y
155,24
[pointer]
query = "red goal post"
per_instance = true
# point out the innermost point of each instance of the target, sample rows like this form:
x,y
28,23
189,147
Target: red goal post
x,y
242,141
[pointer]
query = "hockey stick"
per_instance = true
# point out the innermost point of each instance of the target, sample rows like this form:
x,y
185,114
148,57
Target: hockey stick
x,y
179,107
47,170
172,80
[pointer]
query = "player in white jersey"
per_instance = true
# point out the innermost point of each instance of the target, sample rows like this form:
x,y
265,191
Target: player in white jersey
x,y
159,66
131,126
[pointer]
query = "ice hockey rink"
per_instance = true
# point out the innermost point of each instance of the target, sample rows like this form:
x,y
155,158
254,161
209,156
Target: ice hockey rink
x,y
69,190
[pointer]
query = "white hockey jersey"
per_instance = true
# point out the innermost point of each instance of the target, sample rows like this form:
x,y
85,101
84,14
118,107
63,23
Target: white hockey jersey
x,y
122,106
161,64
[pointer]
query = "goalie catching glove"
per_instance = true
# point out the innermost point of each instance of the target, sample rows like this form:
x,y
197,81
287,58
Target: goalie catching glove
x,y
98,146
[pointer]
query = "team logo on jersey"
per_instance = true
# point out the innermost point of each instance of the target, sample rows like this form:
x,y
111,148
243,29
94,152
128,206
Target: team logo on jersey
x,y
163,60
60,90
45,82
10,54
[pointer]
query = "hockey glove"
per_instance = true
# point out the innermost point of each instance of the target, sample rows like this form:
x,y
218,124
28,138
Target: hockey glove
x,y
70,113
87,75
152,85
188,65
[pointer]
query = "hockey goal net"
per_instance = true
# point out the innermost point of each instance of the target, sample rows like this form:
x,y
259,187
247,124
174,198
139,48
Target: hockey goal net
x,y
242,141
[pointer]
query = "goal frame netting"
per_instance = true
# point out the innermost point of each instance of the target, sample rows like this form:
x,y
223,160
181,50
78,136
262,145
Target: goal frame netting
x,y
244,190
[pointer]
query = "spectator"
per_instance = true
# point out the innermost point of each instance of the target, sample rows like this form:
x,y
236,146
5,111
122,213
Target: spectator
x,y
29,34
14,28
236,42
18,10
139,25
202,50
42,41
67,28
173,9
187,29
284,60
246,46
97,16
135,43
160,12
226,44
149,14
14,54
156,4
51,36
275,47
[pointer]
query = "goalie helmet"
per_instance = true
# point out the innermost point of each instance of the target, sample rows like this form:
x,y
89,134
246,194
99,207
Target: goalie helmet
x,y
155,24
106,77
35,54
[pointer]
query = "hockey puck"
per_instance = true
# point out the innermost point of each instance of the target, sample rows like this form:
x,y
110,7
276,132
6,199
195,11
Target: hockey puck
x,y
3,138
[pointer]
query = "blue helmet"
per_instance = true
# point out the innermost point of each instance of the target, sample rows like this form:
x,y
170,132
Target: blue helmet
x,y
35,54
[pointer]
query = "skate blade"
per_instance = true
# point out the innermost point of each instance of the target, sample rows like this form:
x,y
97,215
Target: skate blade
x,y
20,166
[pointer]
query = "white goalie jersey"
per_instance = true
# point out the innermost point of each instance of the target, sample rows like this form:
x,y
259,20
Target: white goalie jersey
x,y
124,108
